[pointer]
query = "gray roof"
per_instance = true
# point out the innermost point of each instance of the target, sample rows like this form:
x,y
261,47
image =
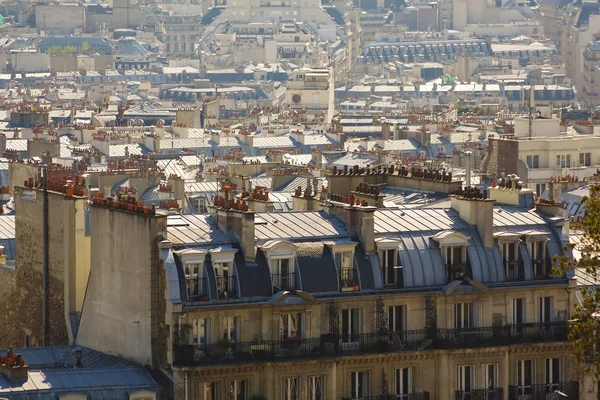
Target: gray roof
x,y
315,262
194,229
297,225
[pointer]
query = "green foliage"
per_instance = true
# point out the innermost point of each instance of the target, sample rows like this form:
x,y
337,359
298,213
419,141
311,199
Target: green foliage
x,y
85,48
54,50
584,331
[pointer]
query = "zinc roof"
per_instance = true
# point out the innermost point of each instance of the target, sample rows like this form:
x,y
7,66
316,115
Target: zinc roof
x,y
301,225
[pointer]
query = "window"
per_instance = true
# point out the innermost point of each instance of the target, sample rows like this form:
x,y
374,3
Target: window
x,y
464,315
200,205
538,258
455,261
464,379
552,373
291,326
403,382
388,264
540,188
238,390
194,283
201,331
585,159
344,264
533,161
209,391
291,388
350,325
224,278
397,318
524,377
283,274
510,255
360,384
518,311
546,305
316,388
563,161
231,328
490,376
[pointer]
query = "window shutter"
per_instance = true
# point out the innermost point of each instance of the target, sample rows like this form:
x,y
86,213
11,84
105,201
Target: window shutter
x,y
238,328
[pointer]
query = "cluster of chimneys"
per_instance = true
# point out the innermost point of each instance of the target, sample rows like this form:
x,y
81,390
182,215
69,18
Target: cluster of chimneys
x,y
36,139
351,200
72,186
568,178
508,182
260,193
231,204
549,203
293,171
163,187
366,188
123,203
412,172
471,192
12,360
168,204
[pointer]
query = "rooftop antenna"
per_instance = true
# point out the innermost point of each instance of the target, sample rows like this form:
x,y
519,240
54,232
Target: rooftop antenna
x,y
531,105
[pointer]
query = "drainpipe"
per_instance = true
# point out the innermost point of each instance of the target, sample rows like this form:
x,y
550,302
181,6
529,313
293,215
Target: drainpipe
x,y
46,276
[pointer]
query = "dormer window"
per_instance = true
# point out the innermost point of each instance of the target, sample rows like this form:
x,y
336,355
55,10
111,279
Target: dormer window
x,y
193,280
510,256
281,257
223,276
454,254
344,264
223,266
391,272
282,275
537,247
508,242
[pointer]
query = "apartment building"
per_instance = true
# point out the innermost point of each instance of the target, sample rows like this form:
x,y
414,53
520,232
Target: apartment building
x,y
591,74
451,301
313,90
180,34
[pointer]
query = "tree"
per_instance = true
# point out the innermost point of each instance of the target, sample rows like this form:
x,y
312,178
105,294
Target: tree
x,y
85,48
585,330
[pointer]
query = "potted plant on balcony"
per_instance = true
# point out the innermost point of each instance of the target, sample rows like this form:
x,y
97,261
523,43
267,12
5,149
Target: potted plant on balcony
x,y
225,347
203,297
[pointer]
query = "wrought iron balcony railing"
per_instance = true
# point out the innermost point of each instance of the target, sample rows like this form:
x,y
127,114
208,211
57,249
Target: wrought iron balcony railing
x,y
515,270
330,345
196,289
542,268
500,335
226,286
479,394
544,391
283,282
411,396
348,279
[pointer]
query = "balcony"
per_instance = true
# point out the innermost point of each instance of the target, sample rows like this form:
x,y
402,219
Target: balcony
x,y
458,272
542,268
412,396
500,335
515,270
479,394
541,392
348,280
285,282
226,286
196,289
368,343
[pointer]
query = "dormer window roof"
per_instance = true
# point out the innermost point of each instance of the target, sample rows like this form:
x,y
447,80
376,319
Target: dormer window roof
x,y
451,238
503,237
535,236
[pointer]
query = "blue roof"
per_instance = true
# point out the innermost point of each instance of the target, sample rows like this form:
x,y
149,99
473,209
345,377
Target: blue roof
x,y
52,373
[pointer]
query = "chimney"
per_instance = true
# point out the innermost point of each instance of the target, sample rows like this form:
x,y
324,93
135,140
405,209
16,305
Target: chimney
x,y
385,131
366,218
475,208
178,189
234,217
316,157
510,191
